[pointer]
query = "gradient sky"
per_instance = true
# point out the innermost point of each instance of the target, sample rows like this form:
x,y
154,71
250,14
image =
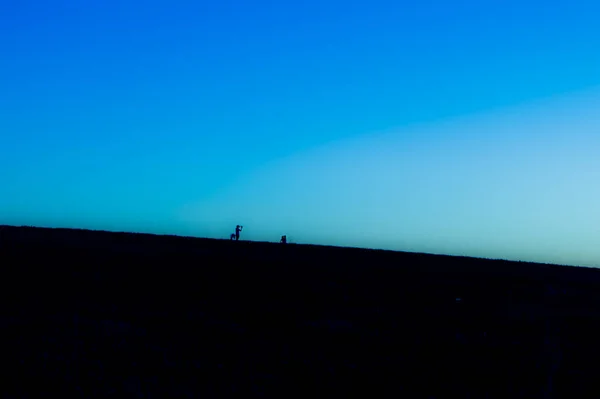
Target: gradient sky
x,y
464,127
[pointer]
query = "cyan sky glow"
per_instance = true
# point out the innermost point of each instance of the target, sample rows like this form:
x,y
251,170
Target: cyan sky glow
x,y
469,128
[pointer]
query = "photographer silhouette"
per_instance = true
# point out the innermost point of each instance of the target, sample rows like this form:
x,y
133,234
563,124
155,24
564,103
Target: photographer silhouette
x,y
238,229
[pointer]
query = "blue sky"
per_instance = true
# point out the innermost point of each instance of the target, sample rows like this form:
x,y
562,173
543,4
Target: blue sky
x,y
448,127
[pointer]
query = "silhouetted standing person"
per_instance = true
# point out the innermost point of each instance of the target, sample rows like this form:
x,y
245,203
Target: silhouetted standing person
x,y
283,240
238,229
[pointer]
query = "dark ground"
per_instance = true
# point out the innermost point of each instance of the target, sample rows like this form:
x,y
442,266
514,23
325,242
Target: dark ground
x,y
96,314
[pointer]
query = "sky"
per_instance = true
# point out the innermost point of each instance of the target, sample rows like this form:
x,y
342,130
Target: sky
x,y
463,128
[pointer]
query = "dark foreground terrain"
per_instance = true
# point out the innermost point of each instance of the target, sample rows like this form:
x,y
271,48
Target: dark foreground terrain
x,y
97,314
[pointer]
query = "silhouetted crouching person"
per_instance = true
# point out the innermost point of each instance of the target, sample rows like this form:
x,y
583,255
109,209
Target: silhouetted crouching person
x,y
283,240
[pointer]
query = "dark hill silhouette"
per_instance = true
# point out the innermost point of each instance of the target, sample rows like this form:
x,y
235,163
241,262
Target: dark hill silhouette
x,y
92,313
